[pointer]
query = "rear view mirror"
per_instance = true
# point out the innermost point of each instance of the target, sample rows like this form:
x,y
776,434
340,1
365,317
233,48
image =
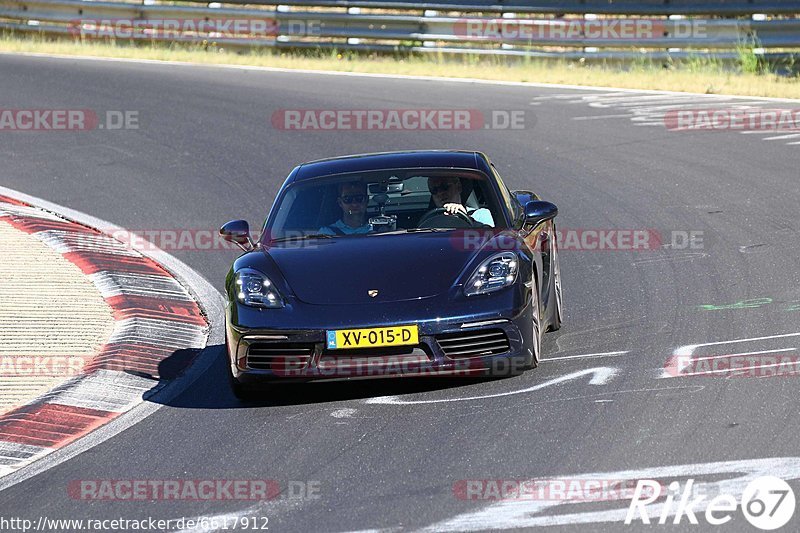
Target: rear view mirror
x,y
381,188
238,232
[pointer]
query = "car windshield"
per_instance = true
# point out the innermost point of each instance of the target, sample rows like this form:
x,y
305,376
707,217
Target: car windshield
x,y
387,201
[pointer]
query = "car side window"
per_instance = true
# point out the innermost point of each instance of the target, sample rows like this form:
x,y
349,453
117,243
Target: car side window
x,y
511,204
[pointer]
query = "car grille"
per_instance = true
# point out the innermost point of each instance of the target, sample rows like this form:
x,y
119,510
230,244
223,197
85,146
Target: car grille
x,y
474,343
279,356
375,357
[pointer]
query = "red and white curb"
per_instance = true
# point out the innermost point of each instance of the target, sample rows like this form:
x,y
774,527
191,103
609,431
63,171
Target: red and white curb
x,y
159,329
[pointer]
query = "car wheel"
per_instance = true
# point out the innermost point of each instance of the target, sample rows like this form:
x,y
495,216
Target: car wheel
x,y
555,289
241,391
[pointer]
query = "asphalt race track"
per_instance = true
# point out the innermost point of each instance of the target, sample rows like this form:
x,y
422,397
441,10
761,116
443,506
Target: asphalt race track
x,y
205,152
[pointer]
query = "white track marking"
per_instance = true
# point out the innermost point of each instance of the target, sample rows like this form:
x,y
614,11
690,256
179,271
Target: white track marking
x,y
687,351
596,355
344,413
728,477
728,371
742,354
600,376
601,117
203,291
781,137
648,110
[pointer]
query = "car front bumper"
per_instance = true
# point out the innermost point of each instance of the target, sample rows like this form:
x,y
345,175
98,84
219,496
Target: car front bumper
x,y
465,343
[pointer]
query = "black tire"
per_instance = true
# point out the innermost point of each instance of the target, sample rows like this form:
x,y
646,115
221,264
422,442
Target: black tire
x,y
536,324
556,311
242,391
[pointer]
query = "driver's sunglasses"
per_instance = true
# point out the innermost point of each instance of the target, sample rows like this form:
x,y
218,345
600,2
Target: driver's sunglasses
x,y
353,198
440,188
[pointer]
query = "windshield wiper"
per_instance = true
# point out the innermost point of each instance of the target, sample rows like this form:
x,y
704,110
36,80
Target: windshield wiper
x,y
411,230
303,237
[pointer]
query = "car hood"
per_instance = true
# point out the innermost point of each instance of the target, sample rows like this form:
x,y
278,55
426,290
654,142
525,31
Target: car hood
x,y
400,267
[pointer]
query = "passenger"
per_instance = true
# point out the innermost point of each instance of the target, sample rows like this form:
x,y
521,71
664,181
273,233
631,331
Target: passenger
x,y
352,199
446,194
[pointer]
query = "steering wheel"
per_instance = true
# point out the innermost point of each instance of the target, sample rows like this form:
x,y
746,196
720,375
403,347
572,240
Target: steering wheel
x,y
437,218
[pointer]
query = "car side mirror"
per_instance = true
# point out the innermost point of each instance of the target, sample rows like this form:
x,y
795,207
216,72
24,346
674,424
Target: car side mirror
x,y
523,197
238,232
539,211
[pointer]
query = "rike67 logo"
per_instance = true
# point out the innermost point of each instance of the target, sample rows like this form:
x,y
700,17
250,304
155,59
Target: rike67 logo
x,y
767,503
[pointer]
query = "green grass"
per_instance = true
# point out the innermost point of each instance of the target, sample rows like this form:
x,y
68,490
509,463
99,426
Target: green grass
x,y
749,76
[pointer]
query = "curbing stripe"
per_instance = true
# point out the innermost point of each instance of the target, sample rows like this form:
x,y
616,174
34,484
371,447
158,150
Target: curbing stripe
x,y
12,452
50,425
104,390
92,263
157,320
113,284
68,241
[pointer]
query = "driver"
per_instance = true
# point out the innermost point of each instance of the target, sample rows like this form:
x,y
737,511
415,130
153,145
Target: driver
x,y
352,200
446,194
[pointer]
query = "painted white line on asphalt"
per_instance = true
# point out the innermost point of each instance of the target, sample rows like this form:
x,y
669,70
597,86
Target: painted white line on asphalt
x,y
396,76
595,355
728,477
218,522
344,413
723,371
600,376
742,354
781,137
601,117
689,349
205,293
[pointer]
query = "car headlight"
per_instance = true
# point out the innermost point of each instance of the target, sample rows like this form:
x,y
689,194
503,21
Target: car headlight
x,y
255,289
497,272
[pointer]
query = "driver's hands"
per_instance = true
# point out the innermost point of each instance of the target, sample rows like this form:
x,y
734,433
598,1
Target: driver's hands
x,y
454,209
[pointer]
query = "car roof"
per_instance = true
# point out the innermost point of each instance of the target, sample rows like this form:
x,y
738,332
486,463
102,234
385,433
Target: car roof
x,y
389,160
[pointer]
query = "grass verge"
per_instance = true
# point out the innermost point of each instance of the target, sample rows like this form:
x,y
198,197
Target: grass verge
x,y
696,75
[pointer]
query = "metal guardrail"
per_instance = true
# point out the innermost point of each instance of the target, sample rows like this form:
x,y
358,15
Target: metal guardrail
x,y
570,7
284,27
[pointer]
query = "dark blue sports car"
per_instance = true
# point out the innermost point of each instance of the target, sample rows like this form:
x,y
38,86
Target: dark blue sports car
x,y
392,264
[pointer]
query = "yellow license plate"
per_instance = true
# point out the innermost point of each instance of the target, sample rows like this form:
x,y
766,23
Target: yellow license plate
x,y
372,337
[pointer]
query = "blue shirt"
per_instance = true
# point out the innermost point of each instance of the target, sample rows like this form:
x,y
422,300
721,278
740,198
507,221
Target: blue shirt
x,y
482,215
344,228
